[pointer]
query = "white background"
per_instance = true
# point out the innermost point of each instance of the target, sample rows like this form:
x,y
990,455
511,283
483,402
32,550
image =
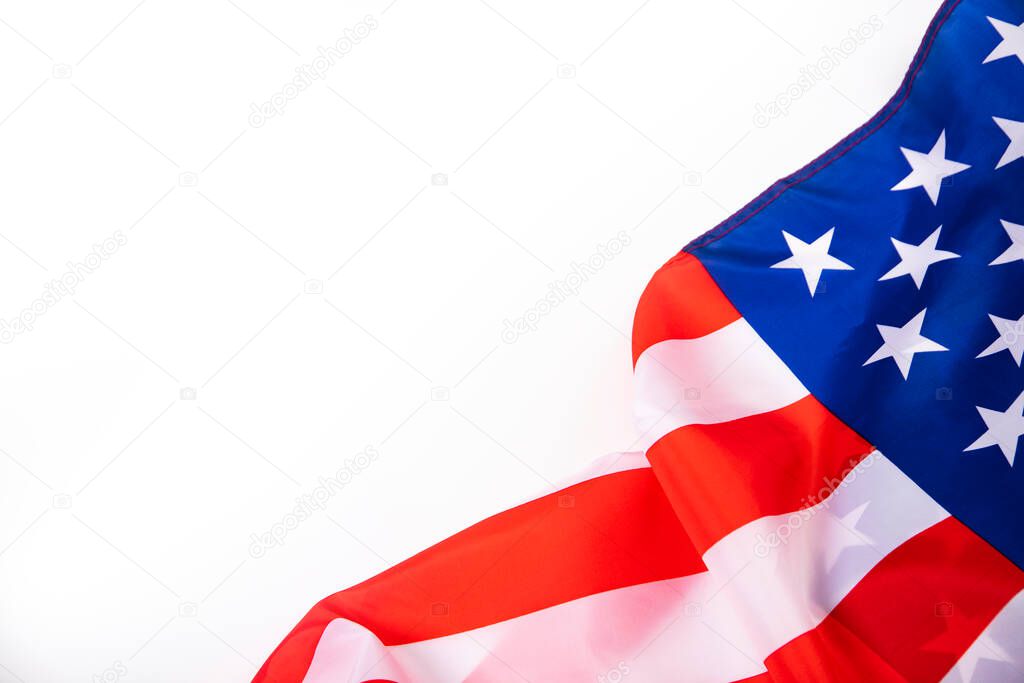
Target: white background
x,y
126,512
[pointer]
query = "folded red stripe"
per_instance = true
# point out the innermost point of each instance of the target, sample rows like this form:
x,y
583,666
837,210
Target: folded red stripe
x,y
719,477
680,302
608,532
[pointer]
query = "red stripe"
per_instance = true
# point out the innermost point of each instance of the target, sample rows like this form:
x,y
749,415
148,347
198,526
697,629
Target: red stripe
x,y
719,477
911,618
609,532
681,302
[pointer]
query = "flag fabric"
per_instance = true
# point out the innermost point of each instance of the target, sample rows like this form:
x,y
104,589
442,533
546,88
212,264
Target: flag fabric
x,y
830,396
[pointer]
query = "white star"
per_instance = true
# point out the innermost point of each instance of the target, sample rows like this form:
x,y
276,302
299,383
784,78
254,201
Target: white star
x,y
1015,252
1003,429
811,258
929,170
1011,338
847,537
985,647
915,260
901,343
1013,41
1015,131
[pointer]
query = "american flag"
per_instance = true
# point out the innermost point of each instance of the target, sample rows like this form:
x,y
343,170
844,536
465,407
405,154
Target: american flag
x,y
830,393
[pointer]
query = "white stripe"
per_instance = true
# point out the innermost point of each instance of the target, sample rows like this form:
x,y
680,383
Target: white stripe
x,y
716,626
606,464
997,656
726,375
346,650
